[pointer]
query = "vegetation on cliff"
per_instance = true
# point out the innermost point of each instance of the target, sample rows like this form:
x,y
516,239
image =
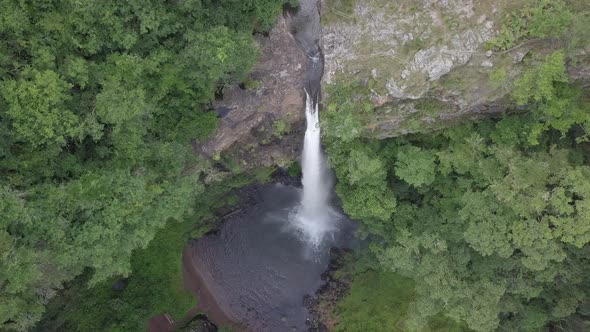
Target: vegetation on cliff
x,y
493,230
490,219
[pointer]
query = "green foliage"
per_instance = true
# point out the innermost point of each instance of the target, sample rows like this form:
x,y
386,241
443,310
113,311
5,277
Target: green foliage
x,y
538,82
156,283
415,166
154,287
362,184
377,302
262,175
361,172
37,108
381,301
231,163
578,36
251,84
347,110
557,104
497,77
294,169
492,212
494,231
537,19
431,106
99,102
280,128
548,18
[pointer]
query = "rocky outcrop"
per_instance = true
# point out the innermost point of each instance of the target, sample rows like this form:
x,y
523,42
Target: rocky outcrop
x,y
250,112
425,53
408,46
323,305
425,62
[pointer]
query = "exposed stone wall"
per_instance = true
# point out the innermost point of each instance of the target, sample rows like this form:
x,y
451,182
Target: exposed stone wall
x,y
422,50
249,112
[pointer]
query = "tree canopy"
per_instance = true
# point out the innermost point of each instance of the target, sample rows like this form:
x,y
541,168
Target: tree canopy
x,y
490,219
98,103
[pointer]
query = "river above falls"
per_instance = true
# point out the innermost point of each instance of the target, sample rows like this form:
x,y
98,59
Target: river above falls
x,y
254,273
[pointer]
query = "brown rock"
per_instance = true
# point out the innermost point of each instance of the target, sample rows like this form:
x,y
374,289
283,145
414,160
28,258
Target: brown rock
x,y
278,95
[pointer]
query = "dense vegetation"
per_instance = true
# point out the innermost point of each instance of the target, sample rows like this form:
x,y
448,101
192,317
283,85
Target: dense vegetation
x,y
378,300
98,103
491,220
156,284
486,225
493,230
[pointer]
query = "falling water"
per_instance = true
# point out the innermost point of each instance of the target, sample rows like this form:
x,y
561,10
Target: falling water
x,y
315,217
314,193
272,253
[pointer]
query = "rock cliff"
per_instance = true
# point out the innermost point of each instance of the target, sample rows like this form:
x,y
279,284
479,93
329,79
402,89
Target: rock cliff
x,y
257,116
427,64
423,64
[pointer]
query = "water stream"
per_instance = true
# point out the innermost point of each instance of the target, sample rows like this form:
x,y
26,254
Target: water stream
x,y
315,217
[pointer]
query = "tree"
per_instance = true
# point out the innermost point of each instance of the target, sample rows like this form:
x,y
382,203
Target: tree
x,y
490,218
475,243
415,166
98,104
36,107
557,104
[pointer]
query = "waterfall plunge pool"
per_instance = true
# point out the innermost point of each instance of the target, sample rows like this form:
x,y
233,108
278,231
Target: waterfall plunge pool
x,y
254,273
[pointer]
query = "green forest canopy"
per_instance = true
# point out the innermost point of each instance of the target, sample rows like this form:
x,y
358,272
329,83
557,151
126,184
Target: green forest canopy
x,y
98,103
490,219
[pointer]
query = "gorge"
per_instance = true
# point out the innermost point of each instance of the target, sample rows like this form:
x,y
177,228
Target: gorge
x,y
255,271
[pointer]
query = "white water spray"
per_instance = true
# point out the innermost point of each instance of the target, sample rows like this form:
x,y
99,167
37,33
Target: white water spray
x,y
315,218
314,193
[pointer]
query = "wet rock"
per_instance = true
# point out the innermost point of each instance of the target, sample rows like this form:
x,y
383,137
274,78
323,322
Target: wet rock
x,y
222,111
281,175
200,324
519,55
323,304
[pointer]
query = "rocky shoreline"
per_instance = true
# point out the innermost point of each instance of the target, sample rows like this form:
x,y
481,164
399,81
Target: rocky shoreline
x,y
323,304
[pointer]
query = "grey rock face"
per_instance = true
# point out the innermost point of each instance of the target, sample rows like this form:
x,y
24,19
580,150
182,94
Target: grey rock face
x,y
410,46
486,64
425,50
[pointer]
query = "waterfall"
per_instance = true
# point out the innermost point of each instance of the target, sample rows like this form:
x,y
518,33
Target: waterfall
x,y
314,191
315,217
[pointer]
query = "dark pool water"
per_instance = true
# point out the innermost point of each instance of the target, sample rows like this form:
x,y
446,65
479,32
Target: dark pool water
x,y
258,267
